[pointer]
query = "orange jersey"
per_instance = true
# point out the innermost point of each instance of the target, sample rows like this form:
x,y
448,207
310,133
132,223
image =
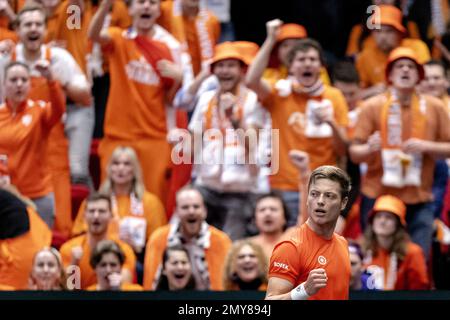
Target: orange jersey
x,y
411,273
371,63
293,259
436,129
288,116
76,39
16,255
136,85
154,213
23,138
88,276
186,30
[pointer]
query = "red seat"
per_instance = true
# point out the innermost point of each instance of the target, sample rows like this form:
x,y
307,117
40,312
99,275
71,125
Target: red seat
x,y
79,193
94,163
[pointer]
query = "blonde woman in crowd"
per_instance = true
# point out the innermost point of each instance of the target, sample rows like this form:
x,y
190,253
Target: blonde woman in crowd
x,y
245,267
47,272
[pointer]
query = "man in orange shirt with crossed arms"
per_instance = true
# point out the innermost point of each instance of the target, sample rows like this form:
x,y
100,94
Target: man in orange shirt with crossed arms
x,y
314,263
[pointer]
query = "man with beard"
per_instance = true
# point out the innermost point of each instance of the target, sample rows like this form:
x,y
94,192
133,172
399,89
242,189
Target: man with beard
x,y
207,246
399,134
314,263
77,251
309,115
147,65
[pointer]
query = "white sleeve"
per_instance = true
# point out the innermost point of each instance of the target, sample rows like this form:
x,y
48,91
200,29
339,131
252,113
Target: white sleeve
x,y
254,114
187,101
4,60
66,69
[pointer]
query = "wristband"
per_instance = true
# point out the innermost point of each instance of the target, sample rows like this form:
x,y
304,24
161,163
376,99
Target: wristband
x,y
299,293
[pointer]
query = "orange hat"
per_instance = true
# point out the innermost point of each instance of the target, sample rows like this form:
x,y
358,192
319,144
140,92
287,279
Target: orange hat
x,y
403,53
227,50
291,31
247,49
390,204
389,15
287,31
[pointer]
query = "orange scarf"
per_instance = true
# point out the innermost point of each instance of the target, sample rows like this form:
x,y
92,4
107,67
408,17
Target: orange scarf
x,y
391,121
401,169
205,36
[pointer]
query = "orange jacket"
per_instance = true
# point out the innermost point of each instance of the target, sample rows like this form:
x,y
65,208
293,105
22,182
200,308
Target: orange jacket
x,y
23,138
16,255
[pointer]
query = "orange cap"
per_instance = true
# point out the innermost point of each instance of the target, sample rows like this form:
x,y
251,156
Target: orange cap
x,y
227,50
388,203
403,53
291,31
247,49
391,16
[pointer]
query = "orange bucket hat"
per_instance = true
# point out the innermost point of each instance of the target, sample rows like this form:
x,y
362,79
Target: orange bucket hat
x,y
287,31
227,50
390,204
389,15
403,53
247,49
291,31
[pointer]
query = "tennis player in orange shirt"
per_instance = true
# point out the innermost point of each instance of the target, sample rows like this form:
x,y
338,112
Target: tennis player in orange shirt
x,y
314,263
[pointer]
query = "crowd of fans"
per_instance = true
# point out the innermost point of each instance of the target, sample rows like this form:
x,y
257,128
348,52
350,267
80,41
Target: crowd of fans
x,y
144,147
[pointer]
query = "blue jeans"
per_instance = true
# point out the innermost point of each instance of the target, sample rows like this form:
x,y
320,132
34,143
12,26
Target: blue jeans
x,y
419,221
79,128
46,208
439,186
292,201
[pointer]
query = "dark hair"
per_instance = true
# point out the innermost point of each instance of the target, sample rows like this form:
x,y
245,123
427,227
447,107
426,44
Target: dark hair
x,y
32,6
13,64
104,247
356,247
163,282
399,243
334,174
276,195
345,71
304,45
437,63
96,196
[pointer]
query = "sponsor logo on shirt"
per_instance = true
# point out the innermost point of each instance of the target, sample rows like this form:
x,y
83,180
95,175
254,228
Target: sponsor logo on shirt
x,y
281,265
322,260
141,71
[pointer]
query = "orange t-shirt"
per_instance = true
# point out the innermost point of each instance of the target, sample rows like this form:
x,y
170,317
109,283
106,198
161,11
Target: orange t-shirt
x,y
371,62
184,29
16,255
154,213
136,85
23,138
293,259
88,276
76,39
123,287
320,150
411,271
437,129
